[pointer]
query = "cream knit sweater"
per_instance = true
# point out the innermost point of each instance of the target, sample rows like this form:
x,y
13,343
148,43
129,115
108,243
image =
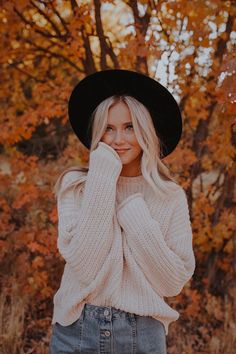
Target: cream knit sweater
x,y
122,246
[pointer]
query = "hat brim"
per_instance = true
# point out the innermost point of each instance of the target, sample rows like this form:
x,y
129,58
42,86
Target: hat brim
x,y
95,88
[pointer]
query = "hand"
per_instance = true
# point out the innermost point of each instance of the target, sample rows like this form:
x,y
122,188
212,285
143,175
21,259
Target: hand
x,y
121,203
105,154
109,148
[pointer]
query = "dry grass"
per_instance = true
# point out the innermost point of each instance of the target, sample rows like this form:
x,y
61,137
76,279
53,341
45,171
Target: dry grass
x,y
211,331
12,312
224,341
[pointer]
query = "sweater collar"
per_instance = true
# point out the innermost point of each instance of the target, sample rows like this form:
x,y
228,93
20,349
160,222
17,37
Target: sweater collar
x,y
130,180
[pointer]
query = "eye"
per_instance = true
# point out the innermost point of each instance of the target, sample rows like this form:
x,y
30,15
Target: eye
x,y
128,126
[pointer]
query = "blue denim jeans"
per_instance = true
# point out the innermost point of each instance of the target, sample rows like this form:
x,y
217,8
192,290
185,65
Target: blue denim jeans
x,y
107,330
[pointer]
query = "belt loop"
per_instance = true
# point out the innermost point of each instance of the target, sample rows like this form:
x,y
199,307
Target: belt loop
x,y
110,312
132,317
83,312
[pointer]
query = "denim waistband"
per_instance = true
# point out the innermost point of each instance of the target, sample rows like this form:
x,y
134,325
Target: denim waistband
x,y
108,312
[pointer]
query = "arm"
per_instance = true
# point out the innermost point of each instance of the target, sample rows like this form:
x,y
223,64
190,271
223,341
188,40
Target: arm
x,y
167,263
85,232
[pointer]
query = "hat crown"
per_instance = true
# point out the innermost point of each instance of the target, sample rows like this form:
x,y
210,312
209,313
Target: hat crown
x,y
100,85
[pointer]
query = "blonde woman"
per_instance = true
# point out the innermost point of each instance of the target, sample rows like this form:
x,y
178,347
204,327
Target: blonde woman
x,y
124,228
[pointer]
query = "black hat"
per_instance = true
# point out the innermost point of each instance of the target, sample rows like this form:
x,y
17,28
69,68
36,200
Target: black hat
x,y
95,88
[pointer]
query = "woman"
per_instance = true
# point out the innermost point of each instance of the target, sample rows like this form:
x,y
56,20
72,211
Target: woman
x,y
123,221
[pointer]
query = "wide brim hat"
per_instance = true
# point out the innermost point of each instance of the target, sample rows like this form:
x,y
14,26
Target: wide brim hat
x,y
95,88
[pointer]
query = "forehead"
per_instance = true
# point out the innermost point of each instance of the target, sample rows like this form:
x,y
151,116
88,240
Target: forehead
x,y
119,113
125,123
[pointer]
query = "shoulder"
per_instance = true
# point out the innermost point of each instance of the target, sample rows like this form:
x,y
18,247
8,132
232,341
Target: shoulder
x,y
180,192
181,204
175,192
69,176
177,196
180,195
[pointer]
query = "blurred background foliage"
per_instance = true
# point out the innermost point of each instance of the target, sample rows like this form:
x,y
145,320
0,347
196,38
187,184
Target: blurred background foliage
x,y
46,48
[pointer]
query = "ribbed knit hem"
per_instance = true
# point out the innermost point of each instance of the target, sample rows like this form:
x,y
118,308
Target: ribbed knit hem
x,y
68,320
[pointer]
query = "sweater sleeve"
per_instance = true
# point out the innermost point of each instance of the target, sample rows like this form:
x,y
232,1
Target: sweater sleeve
x,y
168,263
85,231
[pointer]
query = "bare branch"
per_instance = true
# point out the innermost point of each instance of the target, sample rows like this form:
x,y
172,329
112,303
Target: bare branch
x,y
60,18
56,55
49,20
105,48
16,67
33,25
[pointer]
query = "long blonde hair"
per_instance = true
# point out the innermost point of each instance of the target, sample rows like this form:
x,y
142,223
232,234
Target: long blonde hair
x,y
155,172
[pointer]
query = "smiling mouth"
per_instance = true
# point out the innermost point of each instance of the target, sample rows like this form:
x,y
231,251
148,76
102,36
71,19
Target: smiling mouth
x,y
124,150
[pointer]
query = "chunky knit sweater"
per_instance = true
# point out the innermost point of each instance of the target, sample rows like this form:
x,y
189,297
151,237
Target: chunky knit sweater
x,y
123,247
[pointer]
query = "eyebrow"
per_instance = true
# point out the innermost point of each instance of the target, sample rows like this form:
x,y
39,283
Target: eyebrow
x,y
123,124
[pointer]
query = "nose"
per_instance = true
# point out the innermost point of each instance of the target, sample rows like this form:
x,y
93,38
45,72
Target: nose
x,y
118,138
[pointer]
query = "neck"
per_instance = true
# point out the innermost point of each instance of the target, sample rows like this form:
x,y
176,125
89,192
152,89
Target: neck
x,y
129,180
130,173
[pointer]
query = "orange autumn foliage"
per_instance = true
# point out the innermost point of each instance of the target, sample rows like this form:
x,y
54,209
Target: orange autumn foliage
x,y
46,48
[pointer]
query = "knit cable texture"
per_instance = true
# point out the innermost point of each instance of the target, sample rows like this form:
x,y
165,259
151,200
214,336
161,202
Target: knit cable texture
x,y
129,255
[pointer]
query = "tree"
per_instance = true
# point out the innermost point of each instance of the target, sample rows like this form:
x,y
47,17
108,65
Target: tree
x,y
47,47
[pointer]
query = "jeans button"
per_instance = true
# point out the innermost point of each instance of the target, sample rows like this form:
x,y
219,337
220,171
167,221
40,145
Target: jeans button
x,y
107,333
106,312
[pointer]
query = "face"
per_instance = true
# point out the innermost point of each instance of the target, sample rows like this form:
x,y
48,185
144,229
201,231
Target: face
x,y
120,134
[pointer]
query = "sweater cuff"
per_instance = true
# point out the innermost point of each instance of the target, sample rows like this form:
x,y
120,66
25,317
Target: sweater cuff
x,y
127,200
109,148
105,162
133,212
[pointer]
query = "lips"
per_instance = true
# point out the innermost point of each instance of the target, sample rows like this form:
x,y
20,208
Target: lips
x,y
122,150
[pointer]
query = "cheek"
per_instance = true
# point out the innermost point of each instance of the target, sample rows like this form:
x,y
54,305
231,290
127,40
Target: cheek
x,y
129,137
135,143
133,140
136,149
105,138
